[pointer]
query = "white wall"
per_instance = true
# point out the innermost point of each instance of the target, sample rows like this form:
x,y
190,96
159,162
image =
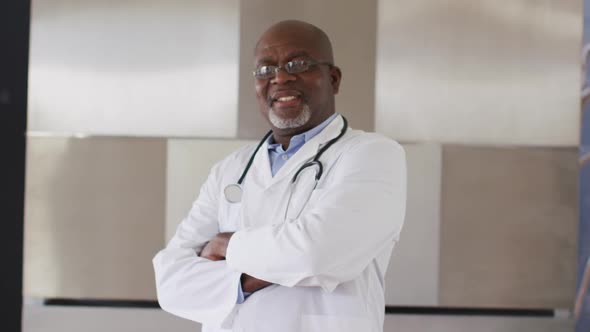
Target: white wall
x,y
140,68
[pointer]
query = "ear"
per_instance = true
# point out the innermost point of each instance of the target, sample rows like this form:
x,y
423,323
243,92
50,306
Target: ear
x,y
335,77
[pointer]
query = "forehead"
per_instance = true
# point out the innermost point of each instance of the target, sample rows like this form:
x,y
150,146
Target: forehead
x,y
281,46
280,52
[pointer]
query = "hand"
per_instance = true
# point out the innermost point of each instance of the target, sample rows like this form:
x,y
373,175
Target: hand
x,y
251,284
216,248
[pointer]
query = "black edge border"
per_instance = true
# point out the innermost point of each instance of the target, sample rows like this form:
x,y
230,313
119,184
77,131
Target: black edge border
x,y
390,310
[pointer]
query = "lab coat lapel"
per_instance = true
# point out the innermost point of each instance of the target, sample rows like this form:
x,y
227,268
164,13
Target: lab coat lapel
x,y
257,180
308,150
260,173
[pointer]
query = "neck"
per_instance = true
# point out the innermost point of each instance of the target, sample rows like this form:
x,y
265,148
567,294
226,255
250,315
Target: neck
x,y
283,140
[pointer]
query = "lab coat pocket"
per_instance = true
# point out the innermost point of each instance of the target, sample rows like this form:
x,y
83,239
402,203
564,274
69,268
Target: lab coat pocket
x,y
329,323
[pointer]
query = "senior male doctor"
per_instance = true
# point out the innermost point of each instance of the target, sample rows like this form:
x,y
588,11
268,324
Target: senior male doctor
x,y
294,233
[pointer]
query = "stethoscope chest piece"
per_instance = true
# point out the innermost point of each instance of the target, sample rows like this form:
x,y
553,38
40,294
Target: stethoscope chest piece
x,y
233,193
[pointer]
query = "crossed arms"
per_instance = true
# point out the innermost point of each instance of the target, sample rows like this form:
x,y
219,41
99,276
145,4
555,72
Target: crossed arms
x,y
215,250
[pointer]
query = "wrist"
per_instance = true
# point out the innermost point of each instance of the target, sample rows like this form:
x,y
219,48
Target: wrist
x,y
251,284
223,241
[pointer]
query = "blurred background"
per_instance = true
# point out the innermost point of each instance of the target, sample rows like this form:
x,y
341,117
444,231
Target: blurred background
x,y
131,102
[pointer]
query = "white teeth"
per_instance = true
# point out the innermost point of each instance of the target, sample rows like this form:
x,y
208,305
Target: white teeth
x,y
287,98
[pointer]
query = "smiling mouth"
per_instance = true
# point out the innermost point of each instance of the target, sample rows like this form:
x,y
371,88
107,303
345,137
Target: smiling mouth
x,y
287,102
282,99
287,98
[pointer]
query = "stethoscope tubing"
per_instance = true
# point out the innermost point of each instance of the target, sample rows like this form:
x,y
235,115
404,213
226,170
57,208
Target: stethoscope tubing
x,y
252,157
315,161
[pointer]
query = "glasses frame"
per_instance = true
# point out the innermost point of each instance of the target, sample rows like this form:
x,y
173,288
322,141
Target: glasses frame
x,y
311,64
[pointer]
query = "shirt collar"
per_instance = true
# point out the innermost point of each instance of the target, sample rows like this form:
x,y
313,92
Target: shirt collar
x,y
302,138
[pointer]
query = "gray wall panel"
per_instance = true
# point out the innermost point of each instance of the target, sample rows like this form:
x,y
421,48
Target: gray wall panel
x,y
508,229
75,319
352,27
94,217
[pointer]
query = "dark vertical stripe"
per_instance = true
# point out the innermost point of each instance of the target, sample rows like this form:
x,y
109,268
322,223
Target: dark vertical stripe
x,y
582,306
14,57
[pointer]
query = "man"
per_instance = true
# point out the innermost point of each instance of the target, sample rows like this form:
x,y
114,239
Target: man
x,y
291,248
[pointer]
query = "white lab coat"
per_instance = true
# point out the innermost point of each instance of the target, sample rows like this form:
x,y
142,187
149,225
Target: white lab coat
x,y
327,255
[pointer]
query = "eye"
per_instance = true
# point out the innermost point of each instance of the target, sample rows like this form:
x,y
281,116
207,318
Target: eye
x,y
297,66
264,72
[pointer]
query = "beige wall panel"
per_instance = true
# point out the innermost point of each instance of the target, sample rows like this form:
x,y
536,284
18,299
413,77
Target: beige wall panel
x,y
189,163
509,227
430,323
351,26
94,216
486,71
413,272
134,68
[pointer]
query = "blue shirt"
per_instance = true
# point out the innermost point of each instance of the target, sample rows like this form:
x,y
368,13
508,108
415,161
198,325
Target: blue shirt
x,y
278,157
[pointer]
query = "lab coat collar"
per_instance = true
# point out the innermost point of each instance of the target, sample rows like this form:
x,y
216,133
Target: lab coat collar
x,y
305,153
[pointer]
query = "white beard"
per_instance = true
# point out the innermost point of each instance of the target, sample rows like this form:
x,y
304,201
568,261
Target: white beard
x,y
297,122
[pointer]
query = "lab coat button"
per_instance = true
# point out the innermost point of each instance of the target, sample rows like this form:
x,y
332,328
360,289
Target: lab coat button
x,y
285,157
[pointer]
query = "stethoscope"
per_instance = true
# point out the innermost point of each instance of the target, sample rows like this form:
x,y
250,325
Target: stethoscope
x,y
233,192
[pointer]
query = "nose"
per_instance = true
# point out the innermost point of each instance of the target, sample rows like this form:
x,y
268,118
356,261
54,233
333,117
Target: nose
x,y
282,77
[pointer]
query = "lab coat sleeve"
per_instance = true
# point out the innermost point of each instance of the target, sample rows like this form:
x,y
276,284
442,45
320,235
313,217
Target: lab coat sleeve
x,y
351,220
187,285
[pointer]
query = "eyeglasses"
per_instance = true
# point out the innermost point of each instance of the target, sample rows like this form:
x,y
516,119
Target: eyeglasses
x,y
291,67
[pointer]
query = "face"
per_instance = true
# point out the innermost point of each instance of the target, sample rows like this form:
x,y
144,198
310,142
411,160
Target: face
x,y
294,103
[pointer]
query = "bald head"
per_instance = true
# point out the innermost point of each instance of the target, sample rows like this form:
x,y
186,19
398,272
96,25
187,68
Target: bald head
x,y
304,33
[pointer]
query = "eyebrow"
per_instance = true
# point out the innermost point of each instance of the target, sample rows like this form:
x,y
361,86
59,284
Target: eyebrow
x,y
294,54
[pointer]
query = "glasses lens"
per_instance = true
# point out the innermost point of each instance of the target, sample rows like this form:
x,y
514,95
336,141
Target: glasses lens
x,y
297,66
265,72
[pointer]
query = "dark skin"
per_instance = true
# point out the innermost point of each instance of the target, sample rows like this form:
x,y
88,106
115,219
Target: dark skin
x,y
315,88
